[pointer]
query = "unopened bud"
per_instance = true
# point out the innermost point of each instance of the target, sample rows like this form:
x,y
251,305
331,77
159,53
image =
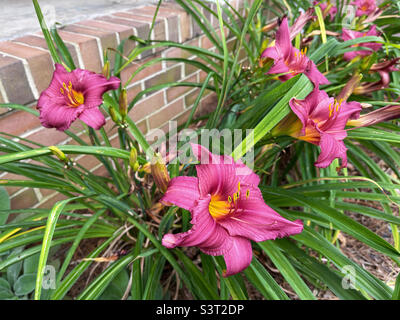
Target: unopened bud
x,y
270,26
133,159
106,69
350,87
113,115
159,172
123,104
58,153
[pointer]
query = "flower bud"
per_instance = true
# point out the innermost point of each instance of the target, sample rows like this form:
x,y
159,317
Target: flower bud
x,y
58,153
350,87
133,159
123,104
159,172
113,115
106,69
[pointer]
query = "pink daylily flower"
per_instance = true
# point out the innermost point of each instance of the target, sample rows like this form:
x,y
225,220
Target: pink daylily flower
x,y
289,60
321,121
227,210
364,7
73,95
350,34
323,5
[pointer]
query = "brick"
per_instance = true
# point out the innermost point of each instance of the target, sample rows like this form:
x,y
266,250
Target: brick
x,y
171,75
11,176
123,31
145,73
133,91
24,200
48,137
46,192
133,16
175,53
202,76
180,53
190,68
12,122
214,20
142,28
205,42
108,39
101,171
207,105
175,92
172,19
142,126
181,119
88,49
159,29
190,98
110,128
88,162
52,201
40,42
82,136
231,44
166,114
77,127
196,30
184,19
147,106
149,11
39,61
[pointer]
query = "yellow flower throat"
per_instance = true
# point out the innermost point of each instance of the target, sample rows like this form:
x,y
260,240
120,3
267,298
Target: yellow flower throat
x,y
220,207
75,98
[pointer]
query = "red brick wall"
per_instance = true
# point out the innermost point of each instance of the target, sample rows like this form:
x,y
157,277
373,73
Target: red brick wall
x,y
26,69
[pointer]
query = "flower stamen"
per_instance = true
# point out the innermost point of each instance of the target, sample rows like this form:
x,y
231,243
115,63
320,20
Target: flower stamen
x,y
74,98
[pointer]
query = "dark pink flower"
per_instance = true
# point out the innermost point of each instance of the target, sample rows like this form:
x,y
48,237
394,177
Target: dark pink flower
x,y
74,95
350,34
289,60
324,8
364,7
320,120
227,210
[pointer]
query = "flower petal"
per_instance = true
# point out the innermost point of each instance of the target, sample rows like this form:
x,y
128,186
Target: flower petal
x,y
93,118
256,221
330,150
245,174
238,257
54,114
206,234
279,67
315,76
270,53
304,109
283,43
94,86
182,192
216,173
